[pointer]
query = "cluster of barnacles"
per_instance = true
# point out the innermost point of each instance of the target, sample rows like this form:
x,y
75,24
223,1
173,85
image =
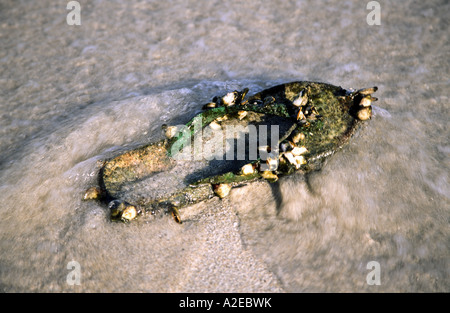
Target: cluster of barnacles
x,y
365,103
291,152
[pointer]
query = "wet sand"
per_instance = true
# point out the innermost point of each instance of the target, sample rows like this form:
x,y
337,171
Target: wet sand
x,y
75,95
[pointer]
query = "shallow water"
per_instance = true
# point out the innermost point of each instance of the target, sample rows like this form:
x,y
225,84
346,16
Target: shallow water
x,y
75,95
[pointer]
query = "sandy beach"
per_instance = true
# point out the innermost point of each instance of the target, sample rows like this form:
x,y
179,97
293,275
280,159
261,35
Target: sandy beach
x,y
74,95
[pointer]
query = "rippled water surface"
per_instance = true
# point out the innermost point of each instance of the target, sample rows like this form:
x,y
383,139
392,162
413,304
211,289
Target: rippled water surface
x,y
72,96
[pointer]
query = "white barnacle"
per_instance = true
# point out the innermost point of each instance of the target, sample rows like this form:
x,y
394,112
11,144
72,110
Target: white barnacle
x,y
301,100
300,115
297,161
296,151
242,114
129,213
215,126
247,169
229,99
92,193
269,176
122,210
290,157
365,113
222,190
171,131
367,91
366,101
272,163
222,118
300,160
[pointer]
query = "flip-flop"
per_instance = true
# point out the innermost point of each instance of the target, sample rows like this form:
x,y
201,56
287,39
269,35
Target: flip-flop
x,y
307,122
